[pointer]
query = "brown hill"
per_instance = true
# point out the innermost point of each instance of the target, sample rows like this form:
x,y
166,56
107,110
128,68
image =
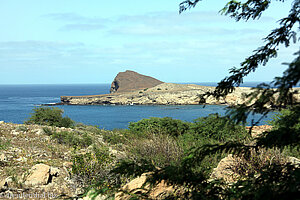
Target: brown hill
x,y
130,81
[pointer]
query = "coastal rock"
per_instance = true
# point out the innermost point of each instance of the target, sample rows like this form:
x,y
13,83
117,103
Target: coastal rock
x,y
130,81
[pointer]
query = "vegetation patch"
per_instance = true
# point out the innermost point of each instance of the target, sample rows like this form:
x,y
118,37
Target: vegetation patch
x,y
50,117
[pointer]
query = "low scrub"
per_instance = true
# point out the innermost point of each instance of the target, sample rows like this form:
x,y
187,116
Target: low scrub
x,y
159,149
70,138
88,168
258,160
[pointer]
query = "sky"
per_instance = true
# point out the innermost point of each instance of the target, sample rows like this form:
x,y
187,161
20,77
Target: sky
x,y
90,41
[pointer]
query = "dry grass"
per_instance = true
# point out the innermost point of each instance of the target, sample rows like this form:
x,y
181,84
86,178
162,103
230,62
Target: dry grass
x,y
161,149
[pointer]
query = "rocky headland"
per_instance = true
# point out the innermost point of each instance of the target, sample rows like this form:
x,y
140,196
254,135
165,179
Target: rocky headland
x,y
131,88
129,81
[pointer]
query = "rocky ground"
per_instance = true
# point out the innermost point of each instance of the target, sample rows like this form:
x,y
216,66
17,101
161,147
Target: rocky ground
x,y
30,162
35,166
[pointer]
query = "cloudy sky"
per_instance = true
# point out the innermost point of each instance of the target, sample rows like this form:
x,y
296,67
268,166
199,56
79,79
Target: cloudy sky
x,y
90,41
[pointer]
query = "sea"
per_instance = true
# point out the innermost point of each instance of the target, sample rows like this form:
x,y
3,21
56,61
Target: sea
x,y
17,102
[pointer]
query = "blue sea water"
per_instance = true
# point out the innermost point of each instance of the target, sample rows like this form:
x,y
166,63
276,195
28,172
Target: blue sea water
x,y
17,102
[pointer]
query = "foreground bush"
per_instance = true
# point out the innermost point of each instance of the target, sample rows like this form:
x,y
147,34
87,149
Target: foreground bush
x,y
159,149
50,117
93,166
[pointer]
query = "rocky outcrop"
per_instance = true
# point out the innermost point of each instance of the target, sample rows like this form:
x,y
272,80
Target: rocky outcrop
x,y
225,169
40,174
139,186
130,81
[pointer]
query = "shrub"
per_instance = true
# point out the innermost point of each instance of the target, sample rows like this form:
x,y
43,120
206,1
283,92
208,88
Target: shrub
x,y
50,117
156,125
215,127
118,136
22,128
258,160
93,167
72,139
47,131
286,119
88,128
4,144
159,149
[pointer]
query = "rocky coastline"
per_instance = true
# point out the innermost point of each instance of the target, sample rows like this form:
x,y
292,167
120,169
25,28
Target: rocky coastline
x,y
162,94
131,88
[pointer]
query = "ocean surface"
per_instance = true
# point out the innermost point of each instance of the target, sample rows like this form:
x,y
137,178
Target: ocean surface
x,y
17,102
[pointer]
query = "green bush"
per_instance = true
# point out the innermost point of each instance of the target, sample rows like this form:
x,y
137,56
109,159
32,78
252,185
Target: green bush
x,y
215,127
286,118
287,121
4,144
50,117
88,128
156,125
93,167
72,139
118,136
22,128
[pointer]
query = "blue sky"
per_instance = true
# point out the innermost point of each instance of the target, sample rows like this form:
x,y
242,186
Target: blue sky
x,y
76,41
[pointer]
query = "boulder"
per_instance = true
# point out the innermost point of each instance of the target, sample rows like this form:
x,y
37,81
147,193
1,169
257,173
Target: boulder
x,y
294,161
54,171
225,169
4,184
39,175
3,158
130,81
138,186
